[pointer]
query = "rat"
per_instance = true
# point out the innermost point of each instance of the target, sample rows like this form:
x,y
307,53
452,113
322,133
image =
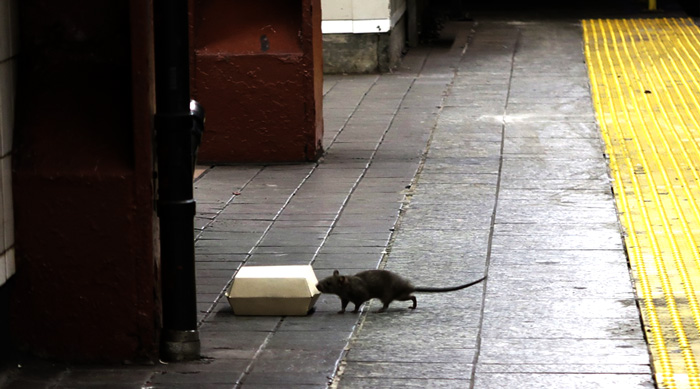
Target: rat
x,y
382,284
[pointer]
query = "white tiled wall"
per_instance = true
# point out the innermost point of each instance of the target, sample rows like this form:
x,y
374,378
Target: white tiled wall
x,y
364,10
337,9
8,66
360,16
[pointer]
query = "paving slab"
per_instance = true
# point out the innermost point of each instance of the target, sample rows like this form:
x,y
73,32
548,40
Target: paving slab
x,y
564,381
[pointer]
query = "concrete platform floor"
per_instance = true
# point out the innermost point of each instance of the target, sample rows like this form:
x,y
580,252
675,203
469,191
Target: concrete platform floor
x,y
479,158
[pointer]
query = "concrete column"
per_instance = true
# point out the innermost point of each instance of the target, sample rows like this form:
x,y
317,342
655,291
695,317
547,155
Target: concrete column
x,y
87,284
258,73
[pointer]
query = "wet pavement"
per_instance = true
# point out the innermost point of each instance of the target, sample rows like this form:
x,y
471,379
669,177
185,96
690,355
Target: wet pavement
x,y
478,158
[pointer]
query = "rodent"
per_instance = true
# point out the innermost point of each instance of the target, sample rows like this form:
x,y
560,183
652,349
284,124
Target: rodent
x,y
382,284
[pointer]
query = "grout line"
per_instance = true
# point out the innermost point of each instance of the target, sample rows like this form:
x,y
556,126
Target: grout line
x,y
262,236
365,309
489,248
226,204
362,174
249,367
340,364
201,232
345,123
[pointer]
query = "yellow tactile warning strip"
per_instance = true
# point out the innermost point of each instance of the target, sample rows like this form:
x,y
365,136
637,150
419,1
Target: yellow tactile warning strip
x,y
645,82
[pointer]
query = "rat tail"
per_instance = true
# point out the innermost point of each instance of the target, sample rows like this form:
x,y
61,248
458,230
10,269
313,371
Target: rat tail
x,y
449,289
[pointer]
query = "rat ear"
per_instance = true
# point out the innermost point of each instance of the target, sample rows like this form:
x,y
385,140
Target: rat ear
x,y
336,273
343,279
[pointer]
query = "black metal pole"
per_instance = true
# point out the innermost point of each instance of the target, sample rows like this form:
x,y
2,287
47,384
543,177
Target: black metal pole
x,y
176,205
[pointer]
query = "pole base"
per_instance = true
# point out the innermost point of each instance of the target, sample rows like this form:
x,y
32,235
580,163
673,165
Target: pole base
x,y
179,346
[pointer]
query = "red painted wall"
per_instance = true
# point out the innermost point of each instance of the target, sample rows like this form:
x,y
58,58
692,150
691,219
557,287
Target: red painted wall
x,y
87,284
258,73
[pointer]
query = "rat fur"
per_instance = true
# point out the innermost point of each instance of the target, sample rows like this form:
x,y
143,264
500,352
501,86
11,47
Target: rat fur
x,y
381,284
